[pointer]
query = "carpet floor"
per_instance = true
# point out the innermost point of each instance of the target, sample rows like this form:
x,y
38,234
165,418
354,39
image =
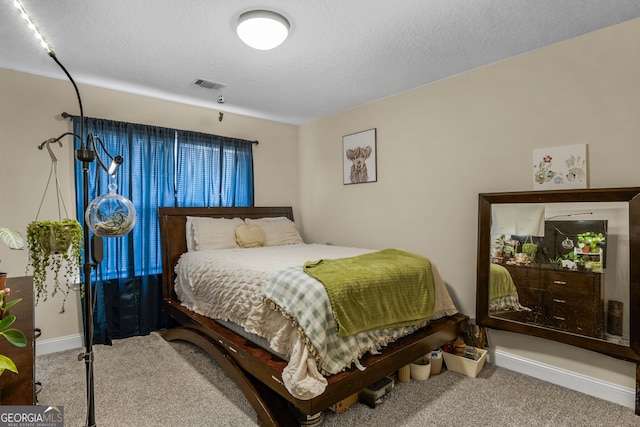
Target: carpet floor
x,y
146,381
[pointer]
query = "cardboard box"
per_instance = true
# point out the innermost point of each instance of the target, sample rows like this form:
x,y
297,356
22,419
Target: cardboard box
x,y
344,403
463,365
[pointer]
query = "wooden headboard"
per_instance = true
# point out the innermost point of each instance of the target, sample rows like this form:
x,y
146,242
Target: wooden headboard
x,y
173,233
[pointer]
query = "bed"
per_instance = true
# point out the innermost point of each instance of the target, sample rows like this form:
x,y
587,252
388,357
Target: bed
x,y
256,368
503,294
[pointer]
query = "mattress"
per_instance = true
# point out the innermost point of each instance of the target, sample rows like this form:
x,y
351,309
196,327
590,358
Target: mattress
x,y
229,285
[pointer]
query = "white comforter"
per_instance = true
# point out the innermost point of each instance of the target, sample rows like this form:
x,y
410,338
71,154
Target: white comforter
x,y
228,285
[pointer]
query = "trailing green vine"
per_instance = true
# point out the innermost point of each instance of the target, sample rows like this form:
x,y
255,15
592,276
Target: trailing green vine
x,y
54,246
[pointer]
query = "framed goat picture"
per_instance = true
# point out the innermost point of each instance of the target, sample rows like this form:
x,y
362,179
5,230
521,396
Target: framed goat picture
x,y
359,157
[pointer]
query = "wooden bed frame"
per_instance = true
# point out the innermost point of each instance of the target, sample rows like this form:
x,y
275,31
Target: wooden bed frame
x,y
256,371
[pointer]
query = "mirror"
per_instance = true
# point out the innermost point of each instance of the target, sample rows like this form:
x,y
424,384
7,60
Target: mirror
x,y
562,265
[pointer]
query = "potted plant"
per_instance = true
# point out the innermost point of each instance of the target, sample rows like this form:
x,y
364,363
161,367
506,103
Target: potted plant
x,y
573,261
55,246
13,240
556,262
503,248
14,336
590,241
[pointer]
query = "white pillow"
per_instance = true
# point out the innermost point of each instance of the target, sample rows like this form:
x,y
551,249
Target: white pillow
x,y
214,233
191,244
278,231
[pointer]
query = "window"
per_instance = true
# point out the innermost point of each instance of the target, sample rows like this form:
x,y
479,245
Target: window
x,y
162,167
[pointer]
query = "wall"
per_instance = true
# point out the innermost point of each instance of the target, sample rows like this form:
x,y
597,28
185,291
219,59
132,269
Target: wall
x,y
30,109
442,144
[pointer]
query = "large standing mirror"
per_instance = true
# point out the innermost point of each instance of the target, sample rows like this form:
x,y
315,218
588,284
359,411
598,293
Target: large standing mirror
x,y
563,265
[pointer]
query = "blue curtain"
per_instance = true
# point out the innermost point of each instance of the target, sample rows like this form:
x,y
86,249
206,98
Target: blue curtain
x,y
223,165
127,283
162,167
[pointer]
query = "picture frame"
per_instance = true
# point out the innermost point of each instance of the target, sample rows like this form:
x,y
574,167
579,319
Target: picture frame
x,y
359,156
559,168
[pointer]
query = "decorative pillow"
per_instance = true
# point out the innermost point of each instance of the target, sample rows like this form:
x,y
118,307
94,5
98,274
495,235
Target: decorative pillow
x,y
278,231
249,236
214,233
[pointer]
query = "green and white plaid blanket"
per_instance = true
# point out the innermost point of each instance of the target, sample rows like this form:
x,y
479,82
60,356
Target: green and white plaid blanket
x,y
304,300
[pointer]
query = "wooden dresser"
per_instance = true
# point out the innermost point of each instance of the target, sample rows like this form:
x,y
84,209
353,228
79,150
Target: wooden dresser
x,y
569,300
18,389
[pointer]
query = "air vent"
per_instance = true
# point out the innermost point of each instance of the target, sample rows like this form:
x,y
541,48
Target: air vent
x,y
207,84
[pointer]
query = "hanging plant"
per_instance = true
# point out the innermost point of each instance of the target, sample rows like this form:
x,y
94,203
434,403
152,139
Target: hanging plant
x,y
529,248
55,247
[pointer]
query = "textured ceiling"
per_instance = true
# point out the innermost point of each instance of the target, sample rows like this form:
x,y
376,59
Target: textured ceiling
x,y
340,54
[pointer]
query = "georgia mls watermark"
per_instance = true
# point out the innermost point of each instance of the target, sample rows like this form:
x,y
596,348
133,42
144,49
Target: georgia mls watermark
x,y
31,416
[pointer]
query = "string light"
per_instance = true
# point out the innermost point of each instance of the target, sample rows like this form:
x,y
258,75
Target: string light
x,y
23,12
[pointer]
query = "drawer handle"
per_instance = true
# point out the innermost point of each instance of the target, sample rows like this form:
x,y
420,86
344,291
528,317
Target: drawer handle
x,y
559,282
559,318
561,301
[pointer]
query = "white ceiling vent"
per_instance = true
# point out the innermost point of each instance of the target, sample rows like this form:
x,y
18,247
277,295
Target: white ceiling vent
x,y
207,84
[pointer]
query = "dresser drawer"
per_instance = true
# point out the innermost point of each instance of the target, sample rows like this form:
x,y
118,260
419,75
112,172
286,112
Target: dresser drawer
x,y
572,316
571,283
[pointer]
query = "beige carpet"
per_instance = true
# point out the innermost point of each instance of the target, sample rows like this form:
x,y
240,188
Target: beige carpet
x,y
141,381
145,381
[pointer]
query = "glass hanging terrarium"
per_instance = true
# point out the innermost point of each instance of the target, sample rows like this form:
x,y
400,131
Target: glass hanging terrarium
x,y
110,215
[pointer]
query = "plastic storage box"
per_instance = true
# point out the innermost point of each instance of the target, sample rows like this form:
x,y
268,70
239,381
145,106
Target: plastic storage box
x,y
463,365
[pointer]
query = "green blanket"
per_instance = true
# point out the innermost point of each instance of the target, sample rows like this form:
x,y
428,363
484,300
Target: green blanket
x,y
384,289
501,283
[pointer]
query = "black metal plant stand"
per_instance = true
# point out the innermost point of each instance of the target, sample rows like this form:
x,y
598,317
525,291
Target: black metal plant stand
x,y
93,251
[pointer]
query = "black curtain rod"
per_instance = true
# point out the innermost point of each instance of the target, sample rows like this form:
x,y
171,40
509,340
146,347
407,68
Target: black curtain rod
x,y
66,115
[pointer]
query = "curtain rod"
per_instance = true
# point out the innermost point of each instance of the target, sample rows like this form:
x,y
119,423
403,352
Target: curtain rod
x,y
66,115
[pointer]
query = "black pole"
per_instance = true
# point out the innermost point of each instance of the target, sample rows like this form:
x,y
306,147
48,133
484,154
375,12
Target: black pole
x,y
85,154
88,308
85,157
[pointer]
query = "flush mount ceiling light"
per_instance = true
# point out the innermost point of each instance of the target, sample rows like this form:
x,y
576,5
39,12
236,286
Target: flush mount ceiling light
x,y
262,29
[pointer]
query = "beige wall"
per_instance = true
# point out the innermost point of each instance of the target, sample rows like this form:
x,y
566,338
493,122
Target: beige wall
x,y
30,109
442,144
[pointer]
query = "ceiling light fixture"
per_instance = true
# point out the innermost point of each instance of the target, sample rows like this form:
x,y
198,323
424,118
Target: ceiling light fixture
x,y
262,29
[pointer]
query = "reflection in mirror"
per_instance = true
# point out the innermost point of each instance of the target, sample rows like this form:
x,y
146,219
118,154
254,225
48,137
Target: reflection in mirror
x,y
536,276
562,266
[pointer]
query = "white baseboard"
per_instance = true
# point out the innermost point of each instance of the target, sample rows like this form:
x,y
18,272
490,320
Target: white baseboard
x,y
594,387
56,345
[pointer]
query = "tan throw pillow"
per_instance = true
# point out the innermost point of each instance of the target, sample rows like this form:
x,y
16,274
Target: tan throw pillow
x,y
278,231
215,233
249,236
